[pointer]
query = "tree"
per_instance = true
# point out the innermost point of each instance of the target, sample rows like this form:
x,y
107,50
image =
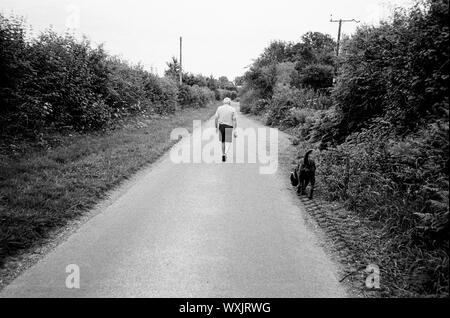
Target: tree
x,y
239,81
398,71
223,82
173,70
212,83
319,42
322,45
276,52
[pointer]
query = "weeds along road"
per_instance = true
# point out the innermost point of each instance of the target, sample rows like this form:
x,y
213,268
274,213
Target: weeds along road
x,y
191,230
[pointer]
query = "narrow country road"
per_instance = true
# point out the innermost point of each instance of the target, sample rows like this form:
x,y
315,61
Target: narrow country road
x,y
191,230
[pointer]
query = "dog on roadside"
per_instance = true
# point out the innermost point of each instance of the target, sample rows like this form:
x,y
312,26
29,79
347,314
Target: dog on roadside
x,y
306,174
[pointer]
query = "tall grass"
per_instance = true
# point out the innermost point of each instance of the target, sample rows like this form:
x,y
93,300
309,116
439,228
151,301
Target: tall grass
x,y
42,188
403,185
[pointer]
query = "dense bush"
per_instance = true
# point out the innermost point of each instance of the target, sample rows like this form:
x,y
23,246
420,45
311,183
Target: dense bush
x,y
201,96
56,81
93,116
289,77
195,96
389,129
402,184
383,130
51,80
398,70
392,179
14,68
127,85
184,95
307,64
207,94
317,76
325,128
220,94
163,93
248,100
284,99
287,103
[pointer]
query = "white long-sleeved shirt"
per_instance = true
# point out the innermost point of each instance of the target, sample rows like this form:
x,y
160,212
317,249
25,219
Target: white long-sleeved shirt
x,y
225,114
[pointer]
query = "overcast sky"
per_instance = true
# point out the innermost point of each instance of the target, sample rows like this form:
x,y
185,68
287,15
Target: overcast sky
x,y
219,37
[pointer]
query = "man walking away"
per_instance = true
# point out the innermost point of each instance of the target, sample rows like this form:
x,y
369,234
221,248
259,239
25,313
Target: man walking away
x,y
226,123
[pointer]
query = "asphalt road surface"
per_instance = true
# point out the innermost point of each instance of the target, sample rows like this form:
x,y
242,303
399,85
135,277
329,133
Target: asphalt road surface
x,y
191,230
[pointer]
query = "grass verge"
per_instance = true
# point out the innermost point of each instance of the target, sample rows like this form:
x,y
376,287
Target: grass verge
x,y
42,186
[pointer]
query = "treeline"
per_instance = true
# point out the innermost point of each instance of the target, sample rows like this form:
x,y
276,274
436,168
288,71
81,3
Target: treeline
x,y
289,78
381,128
222,87
58,82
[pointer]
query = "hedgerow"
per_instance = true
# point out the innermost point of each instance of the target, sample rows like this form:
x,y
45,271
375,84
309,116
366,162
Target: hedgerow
x,y
381,130
59,82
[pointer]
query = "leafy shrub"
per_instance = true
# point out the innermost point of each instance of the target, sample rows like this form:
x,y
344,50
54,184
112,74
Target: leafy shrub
x,y
307,64
260,106
217,94
56,81
275,88
195,96
324,128
247,98
94,116
383,130
285,72
164,95
13,65
184,95
287,102
127,85
300,115
205,96
208,95
398,70
314,99
317,76
222,93
261,80
284,99
400,182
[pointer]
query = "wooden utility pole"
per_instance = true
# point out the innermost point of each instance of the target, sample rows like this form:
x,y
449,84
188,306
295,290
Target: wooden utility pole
x,y
181,60
339,31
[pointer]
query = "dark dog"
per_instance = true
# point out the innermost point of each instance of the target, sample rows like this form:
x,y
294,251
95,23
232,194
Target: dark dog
x,y
306,174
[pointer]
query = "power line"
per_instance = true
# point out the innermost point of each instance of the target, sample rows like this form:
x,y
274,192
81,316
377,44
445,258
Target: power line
x,y
340,21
